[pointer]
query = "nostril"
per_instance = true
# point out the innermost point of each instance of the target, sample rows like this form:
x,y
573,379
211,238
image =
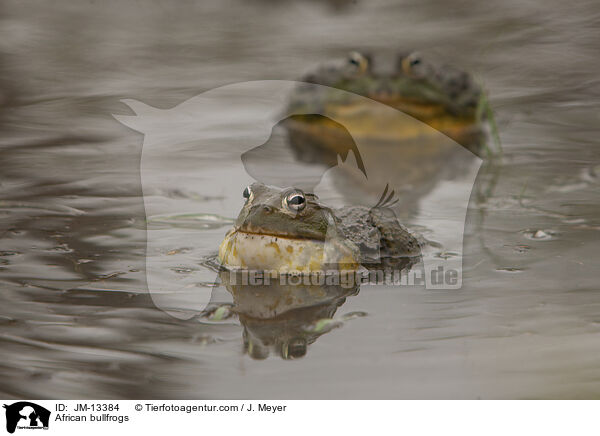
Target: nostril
x,y
267,209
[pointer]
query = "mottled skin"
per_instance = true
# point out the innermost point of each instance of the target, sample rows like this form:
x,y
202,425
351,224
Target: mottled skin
x,y
265,213
286,318
414,85
290,214
443,98
382,240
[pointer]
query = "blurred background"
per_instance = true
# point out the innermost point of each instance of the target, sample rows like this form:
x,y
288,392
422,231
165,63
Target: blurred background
x,y
76,320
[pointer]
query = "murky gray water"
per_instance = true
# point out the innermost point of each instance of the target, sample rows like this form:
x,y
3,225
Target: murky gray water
x,y
76,317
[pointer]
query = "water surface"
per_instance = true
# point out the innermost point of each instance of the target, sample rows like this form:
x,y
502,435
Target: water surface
x,y
77,320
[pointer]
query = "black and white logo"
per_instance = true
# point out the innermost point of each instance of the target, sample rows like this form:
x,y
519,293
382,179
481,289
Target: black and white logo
x,y
26,415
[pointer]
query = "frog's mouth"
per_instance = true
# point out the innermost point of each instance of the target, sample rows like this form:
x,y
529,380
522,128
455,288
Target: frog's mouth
x,y
285,254
426,110
259,231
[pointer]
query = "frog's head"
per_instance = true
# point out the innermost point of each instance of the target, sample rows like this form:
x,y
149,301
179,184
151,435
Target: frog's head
x,y
288,213
345,74
285,230
410,83
417,78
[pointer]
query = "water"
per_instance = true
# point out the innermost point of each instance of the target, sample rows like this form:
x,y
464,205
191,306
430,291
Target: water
x,y
77,319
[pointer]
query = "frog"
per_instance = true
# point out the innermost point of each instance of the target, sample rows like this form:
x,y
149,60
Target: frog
x,y
441,96
415,85
289,231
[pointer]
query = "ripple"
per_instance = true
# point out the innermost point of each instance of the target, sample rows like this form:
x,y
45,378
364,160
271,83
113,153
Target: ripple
x,y
9,253
183,270
218,313
197,221
591,174
510,269
446,254
324,325
539,234
352,315
63,248
181,250
57,209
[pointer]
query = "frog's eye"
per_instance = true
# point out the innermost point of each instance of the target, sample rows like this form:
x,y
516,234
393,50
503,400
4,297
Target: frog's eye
x,y
414,59
411,61
353,59
295,201
358,61
247,194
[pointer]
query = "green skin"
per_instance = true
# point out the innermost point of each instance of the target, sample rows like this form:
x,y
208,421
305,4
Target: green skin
x,y
289,318
265,213
382,241
412,80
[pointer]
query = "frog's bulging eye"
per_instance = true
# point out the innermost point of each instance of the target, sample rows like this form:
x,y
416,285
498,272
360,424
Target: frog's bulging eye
x,y
414,61
247,193
359,61
411,61
295,201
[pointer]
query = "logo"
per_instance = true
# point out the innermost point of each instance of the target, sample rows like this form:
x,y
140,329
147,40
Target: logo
x,y
198,156
26,415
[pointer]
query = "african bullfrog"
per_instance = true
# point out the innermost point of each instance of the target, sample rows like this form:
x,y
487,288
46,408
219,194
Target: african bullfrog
x,y
441,96
289,231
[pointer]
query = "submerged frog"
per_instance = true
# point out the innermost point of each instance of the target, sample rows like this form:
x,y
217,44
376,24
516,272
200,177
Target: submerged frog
x,y
444,97
288,231
414,85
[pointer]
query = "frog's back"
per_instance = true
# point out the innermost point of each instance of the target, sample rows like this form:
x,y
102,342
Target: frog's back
x,y
383,242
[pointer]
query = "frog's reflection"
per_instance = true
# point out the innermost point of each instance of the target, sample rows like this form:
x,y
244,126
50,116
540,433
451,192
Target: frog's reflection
x,y
285,319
